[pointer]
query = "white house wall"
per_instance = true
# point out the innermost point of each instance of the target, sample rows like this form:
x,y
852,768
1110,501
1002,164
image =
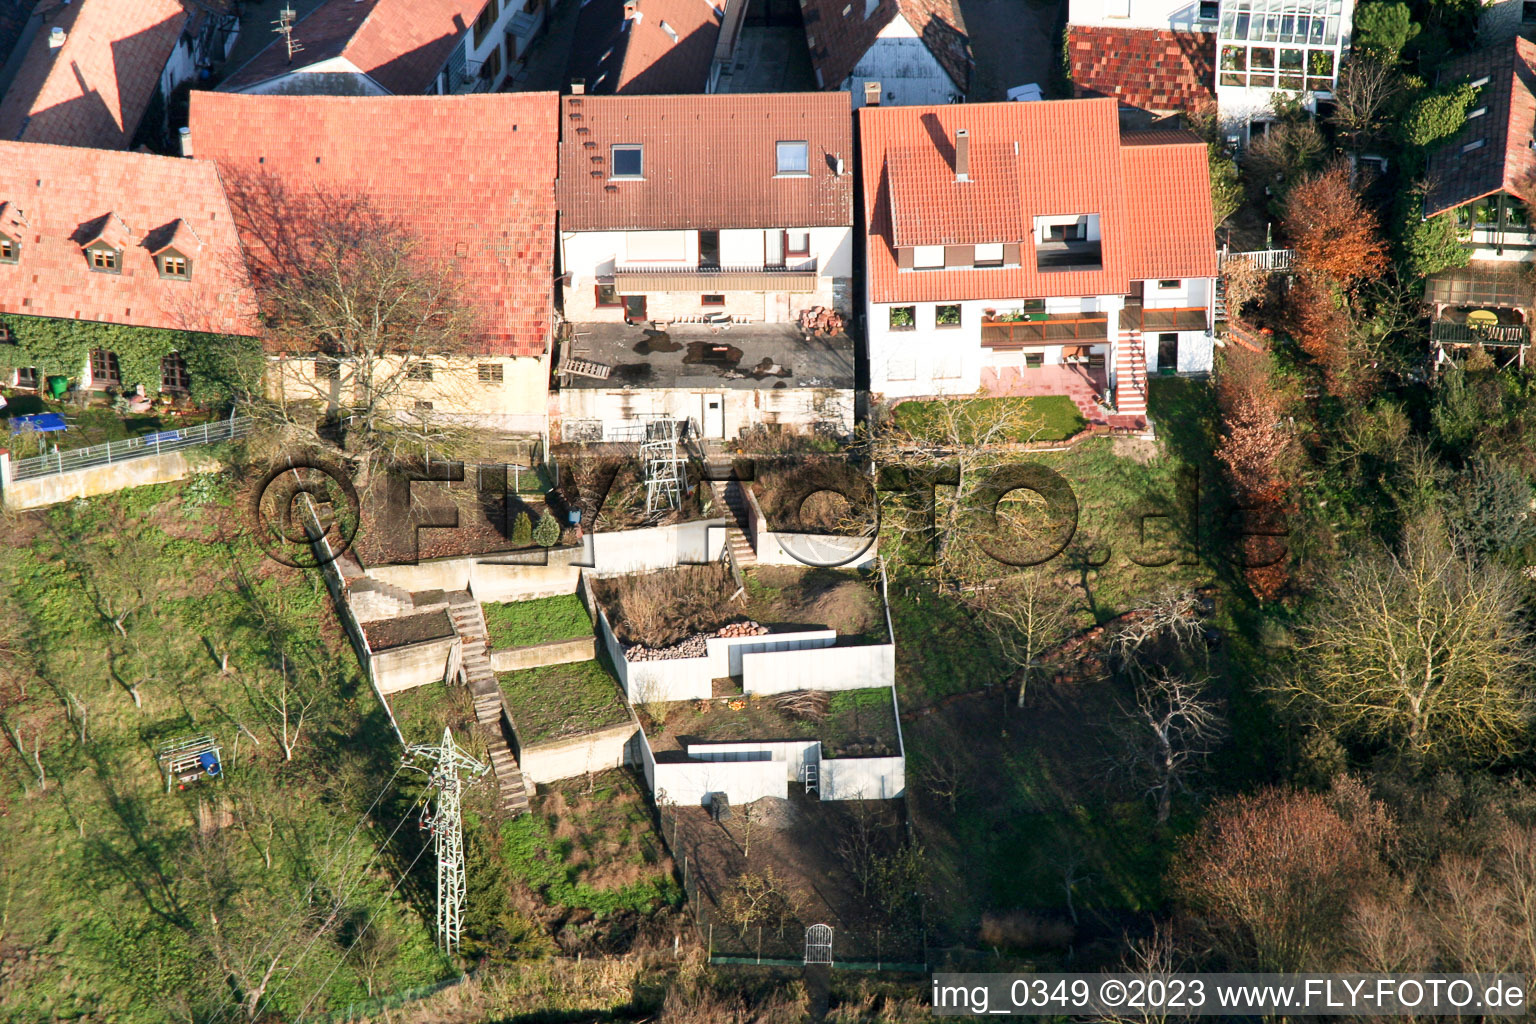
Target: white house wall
x,y
799,409
590,257
908,72
1166,15
862,778
836,668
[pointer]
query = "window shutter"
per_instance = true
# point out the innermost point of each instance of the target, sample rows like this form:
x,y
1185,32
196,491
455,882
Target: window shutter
x,y
959,256
1011,254
904,257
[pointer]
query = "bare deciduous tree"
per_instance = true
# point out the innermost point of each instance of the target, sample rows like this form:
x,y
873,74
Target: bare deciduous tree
x,y
1167,737
289,707
1365,93
1425,649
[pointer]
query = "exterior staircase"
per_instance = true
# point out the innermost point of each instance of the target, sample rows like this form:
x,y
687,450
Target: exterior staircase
x,y
371,600
1130,381
490,712
728,494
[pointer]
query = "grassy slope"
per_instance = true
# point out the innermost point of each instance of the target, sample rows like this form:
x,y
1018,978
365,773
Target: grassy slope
x,y
563,700
1048,418
520,623
108,884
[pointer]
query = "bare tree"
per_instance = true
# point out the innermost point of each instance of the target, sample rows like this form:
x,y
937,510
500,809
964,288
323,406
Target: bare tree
x,y
759,898
1426,649
1366,91
373,334
1165,740
289,708
941,773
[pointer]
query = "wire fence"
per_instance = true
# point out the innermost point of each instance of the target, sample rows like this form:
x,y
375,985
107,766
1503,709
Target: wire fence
x,y
890,947
60,461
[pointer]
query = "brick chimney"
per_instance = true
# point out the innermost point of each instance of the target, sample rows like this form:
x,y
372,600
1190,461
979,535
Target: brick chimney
x,y
578,86
962,155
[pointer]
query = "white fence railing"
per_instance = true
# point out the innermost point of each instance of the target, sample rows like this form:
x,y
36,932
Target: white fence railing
x,y
1269,260
58,461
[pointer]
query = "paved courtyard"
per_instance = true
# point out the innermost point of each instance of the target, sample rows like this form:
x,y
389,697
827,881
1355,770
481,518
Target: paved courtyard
x,y
770,60
1013,42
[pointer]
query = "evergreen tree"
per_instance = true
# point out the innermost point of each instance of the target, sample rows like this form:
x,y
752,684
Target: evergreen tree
x,y
547,533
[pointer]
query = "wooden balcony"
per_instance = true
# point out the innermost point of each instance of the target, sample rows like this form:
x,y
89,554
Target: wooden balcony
x,y
632,279
1045,329
1183,318
1448,332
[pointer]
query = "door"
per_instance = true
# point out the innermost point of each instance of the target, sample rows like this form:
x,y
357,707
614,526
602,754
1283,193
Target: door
x,y
773,248
1167,353
713,419
709,250
634,308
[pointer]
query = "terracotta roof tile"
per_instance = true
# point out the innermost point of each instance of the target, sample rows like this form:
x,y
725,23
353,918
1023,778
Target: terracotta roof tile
x,y
1152,222
839,35
400,44
929,206
1147,68
93,90
1168,200
54,202
472,176
709,161
1505,160
632,56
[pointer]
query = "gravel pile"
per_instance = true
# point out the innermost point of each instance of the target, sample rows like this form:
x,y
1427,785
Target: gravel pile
x,y
692,647
742,629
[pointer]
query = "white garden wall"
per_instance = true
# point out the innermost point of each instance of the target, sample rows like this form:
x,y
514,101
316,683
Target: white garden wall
x,y
863,778
656,547
689,782
792,754
817,550
833,668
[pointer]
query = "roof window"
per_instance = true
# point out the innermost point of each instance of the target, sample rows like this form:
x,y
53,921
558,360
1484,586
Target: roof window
x,y
1474,145
792,158
628,161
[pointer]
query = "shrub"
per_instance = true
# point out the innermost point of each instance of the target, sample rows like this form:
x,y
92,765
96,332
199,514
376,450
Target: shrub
x,y
547,533
522,530
1020,929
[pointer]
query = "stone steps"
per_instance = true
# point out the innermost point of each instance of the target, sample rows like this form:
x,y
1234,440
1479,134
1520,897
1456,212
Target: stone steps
x,y
490,711
1131,376
509,779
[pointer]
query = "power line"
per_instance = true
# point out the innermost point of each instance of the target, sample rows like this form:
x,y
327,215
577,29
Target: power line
x,y
357,938
277,936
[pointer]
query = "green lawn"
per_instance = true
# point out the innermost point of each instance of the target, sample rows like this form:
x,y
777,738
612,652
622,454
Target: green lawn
x,y
118,904
563,700
520,623
1049,418
422,711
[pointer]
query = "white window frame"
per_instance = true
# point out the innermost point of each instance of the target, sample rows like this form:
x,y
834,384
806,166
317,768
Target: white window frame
x,y
613,162
923,257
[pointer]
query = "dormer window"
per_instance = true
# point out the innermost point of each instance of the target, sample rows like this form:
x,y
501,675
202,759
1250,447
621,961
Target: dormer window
x,y
1066,232
793,158
104,259
174,265
988,255
628,161
10,252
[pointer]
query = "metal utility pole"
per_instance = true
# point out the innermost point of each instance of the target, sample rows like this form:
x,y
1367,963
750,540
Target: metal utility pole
x,y
443,763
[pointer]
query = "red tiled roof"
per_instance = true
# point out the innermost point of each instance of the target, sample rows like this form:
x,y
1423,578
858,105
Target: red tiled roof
x,y
709,161
52,203
938,209
640,55
1505,161
1152,222
1147,68
472,176
93,90
400,44
839,35
1168,200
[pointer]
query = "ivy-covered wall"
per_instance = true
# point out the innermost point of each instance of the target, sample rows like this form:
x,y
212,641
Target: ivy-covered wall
x,y
218,365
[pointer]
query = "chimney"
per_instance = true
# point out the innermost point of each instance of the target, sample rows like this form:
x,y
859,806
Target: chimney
x,y
871,94
631,9
578,86
186,142
838,167
962,155
56,37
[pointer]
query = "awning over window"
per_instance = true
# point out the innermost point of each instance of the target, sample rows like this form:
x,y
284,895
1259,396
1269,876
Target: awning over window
x,y
1483,283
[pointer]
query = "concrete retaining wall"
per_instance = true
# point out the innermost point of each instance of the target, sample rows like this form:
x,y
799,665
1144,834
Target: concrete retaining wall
x,y
402,668
656,547
816,549
86,483
726,653
551,652
566,758
833,668
863,778
687,783
793,755
488,578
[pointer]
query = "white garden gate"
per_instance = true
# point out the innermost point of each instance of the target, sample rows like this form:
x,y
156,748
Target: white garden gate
x,y
818,944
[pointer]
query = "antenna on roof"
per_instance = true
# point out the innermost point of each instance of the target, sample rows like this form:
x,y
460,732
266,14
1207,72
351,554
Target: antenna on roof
x,y
284,23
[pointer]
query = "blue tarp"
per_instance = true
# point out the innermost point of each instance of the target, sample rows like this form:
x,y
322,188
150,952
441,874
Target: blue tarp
x,y
164,437
210,762
39,421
